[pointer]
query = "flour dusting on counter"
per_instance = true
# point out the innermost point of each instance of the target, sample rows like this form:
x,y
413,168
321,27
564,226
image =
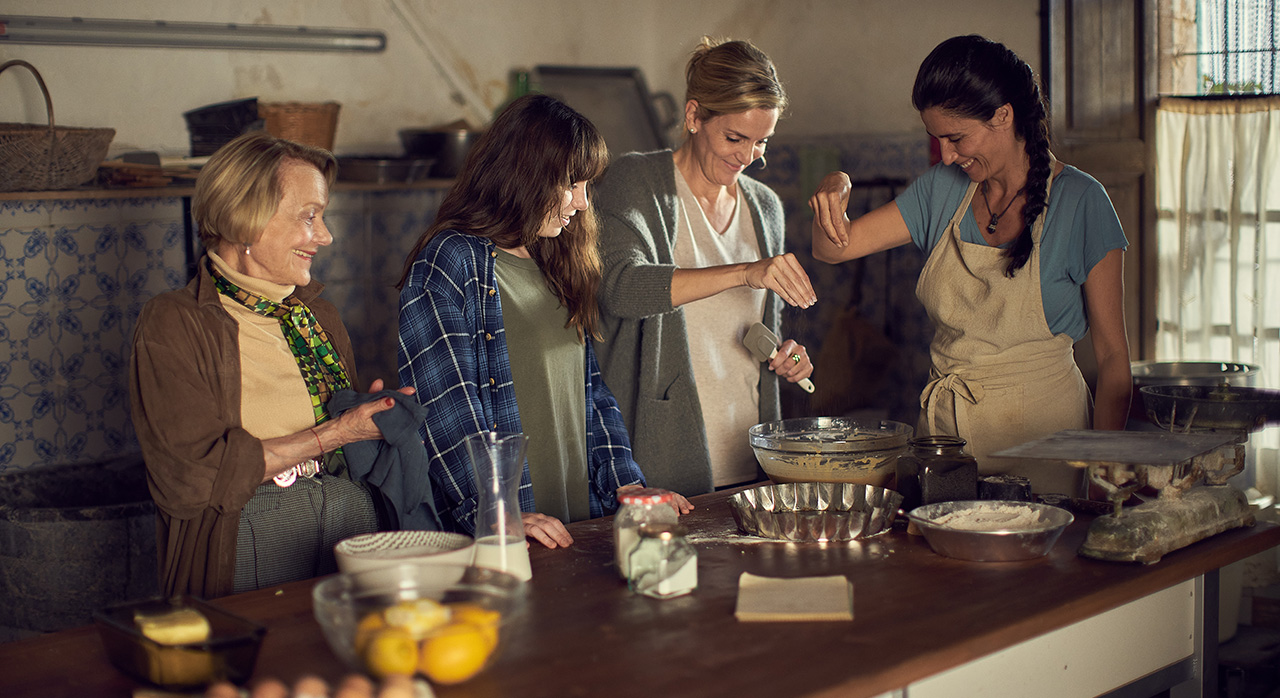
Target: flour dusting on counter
x,y
992,517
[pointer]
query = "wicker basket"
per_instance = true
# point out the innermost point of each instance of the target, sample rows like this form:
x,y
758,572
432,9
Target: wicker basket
x,y
37,157
312,123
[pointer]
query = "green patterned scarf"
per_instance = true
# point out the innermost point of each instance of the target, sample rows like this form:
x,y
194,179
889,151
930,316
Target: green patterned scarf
x,y
319,362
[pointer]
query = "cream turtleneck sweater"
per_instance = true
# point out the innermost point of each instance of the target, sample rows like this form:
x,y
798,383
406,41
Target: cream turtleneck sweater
x,y
273,396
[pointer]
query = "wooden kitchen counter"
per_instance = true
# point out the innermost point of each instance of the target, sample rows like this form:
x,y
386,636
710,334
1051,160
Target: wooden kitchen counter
x,y
582,633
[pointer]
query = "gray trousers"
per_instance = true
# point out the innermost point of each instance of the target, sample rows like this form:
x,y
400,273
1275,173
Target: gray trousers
x,y
288,533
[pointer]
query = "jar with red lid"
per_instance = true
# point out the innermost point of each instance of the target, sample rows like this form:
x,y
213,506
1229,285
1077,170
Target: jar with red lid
x,y
646,505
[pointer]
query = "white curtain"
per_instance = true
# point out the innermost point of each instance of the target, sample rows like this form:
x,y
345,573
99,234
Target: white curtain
x,y
1218,241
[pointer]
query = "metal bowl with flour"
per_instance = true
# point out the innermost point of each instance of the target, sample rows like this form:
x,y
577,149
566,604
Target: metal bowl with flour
x,y
829,449
991,531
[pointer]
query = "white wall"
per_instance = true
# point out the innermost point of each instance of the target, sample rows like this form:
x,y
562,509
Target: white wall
x,y
848,64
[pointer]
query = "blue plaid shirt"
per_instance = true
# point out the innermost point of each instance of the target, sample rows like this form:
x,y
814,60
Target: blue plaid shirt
x,y
453,351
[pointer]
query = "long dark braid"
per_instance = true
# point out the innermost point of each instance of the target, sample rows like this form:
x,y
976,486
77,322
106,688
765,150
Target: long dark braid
x,y
1032,123
970,76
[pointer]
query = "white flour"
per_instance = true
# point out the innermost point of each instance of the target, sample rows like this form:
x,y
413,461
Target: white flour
x,y
992,517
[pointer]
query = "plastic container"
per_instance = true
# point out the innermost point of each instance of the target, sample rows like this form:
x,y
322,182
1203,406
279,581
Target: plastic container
x,y
636,508
229,654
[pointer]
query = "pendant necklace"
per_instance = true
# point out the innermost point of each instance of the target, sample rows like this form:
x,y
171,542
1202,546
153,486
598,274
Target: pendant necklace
x,y
995,217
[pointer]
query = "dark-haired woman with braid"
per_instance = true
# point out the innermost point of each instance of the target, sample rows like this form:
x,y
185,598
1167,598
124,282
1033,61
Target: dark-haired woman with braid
x,y
1025,256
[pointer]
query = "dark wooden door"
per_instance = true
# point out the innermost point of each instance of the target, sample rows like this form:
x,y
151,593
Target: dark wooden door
x,y
1098,68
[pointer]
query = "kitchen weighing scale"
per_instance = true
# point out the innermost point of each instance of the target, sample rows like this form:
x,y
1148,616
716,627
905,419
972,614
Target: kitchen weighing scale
x,y
1186,467
1188,471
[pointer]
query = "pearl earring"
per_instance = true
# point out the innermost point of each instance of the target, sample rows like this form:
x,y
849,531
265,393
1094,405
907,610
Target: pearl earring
x,y
246,249
692,131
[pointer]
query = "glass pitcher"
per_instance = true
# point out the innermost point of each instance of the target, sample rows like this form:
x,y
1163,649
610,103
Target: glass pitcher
x,y
497,459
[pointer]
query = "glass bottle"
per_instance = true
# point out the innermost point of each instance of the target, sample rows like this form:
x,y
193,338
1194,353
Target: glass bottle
x,y
647,505
936,469
663,564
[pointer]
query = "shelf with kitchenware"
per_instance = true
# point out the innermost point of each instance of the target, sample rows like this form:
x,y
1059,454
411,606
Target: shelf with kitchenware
x,y
186,191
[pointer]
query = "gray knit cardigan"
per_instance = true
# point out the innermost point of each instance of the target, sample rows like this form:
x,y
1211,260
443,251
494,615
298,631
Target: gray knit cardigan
x,y
645,353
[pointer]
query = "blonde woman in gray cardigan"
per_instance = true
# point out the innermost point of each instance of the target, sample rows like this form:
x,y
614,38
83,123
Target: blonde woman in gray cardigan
x,y
692,255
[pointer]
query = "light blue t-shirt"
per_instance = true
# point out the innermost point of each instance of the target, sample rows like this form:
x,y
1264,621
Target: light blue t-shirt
x,y
1080,228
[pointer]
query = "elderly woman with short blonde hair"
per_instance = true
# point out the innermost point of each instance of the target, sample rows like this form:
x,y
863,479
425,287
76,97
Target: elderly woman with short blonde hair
x,y
230,379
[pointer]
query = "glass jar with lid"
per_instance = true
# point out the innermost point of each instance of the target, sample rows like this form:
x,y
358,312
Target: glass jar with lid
x,y
663,564
647,505
936,469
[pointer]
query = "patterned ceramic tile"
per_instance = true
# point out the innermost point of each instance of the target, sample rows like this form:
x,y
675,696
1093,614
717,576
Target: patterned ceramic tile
x,y
68,297
25,214
347,258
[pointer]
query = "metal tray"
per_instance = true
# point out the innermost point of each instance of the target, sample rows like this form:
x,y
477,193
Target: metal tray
x,y
383,169
815,512
616,100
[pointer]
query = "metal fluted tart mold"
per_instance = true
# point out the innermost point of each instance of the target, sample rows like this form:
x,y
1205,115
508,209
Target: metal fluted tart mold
x,y
810,512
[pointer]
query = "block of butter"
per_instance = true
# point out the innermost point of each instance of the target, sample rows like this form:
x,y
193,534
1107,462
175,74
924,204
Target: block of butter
x,y
178,627
794,599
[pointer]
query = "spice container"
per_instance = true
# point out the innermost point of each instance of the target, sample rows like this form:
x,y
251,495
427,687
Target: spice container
x,y
663,564
1005,488
936,469
637,507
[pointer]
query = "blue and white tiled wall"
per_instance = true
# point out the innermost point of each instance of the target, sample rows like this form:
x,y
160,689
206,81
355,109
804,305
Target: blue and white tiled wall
x,y
74,274
373,231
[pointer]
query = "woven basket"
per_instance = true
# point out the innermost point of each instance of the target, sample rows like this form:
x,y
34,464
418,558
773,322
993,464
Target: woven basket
x,y
311,123
36,157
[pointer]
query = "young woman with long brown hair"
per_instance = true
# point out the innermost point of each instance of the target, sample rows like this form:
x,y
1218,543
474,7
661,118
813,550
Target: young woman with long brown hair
x,y
497,317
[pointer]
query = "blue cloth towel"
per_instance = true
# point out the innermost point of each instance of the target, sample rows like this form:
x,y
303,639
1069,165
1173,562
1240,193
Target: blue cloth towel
x,y
396,465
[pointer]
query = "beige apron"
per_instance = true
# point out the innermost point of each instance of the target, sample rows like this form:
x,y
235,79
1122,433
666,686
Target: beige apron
x,y
999,377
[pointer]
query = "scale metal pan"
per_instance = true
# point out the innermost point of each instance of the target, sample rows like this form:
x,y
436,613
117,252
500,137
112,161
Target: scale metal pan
x,y
1201,407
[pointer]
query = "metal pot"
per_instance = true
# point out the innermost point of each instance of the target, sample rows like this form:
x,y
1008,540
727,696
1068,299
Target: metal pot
x,y
448,146
382,170
1207,373
1184,408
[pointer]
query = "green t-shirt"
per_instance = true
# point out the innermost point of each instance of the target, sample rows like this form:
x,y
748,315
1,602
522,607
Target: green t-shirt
x,y
548,366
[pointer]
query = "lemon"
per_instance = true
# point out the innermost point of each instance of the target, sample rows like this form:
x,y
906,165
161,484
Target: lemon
x,y
365,629
391,651
485,618
455,653
418,616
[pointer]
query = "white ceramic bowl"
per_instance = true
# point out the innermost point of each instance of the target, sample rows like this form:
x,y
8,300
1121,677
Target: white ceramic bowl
x,y
372,551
